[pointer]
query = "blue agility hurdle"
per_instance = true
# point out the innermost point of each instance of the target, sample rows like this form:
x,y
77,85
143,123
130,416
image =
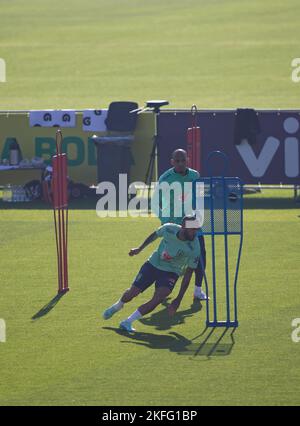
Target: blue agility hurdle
x,y
222,216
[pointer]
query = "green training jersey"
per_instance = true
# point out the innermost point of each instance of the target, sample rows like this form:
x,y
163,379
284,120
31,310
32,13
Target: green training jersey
x,y
173,254
167,212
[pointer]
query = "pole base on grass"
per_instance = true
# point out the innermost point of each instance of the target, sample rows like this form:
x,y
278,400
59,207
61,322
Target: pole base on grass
x,y
227,324
63,291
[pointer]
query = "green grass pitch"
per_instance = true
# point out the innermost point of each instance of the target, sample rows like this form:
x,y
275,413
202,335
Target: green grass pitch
x,y
71,356
215,53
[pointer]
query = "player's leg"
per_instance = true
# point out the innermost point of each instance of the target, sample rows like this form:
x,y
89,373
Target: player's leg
x,y
128,295
159,296
143,280
165,283
199,293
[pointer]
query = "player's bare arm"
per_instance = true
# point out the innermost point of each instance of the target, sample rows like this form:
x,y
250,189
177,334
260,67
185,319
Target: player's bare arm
x,y
183,288
148,240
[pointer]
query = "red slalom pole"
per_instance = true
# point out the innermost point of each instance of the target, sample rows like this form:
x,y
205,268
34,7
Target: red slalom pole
x,y
194,142
60,210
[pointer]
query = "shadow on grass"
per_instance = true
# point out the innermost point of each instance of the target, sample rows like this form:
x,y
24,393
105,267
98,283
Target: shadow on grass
x,y
250,202
213,342
48,307
83,204
216,342
271,203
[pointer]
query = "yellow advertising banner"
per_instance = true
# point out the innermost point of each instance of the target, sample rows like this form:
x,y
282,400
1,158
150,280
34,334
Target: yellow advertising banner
x,y
81,150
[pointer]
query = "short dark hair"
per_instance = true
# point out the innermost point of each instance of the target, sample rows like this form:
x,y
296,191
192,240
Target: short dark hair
x,y
179,151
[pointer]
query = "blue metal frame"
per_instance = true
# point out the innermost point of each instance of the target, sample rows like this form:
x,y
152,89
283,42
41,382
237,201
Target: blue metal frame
x,y
210,202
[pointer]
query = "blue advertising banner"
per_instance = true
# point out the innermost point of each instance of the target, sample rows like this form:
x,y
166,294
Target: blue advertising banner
x,y
262,146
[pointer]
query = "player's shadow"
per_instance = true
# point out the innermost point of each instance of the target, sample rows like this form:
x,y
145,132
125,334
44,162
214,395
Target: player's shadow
x,y
48,307
213,342
161,320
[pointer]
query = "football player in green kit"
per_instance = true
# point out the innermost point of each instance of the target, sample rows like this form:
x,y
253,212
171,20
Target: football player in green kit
x,y
168,203
177,254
